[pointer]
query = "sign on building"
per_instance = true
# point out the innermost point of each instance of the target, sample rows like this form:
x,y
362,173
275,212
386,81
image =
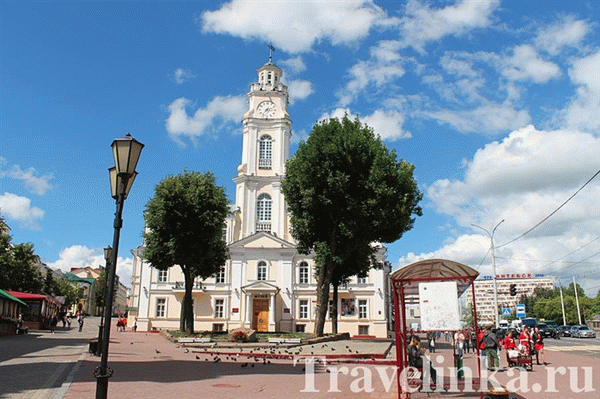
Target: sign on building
x,y
521,310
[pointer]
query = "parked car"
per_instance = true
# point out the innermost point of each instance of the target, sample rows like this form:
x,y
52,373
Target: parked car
x,y
546,330
582,332
565,331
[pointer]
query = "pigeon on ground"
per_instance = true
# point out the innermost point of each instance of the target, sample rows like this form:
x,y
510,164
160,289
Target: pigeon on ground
x,y
131,343
244,364
157,351
252,365
197,357
187,350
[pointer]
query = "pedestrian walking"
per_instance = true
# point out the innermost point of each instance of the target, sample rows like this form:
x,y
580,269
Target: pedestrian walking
x,y
431,338
491,346
459,342
467,339
53,323
539,347
80,321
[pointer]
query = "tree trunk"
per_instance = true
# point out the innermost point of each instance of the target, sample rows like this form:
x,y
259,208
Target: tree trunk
x,y
334,309
323,283
188,313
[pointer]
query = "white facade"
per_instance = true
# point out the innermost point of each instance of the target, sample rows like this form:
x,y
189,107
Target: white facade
x,y
525,284
266,284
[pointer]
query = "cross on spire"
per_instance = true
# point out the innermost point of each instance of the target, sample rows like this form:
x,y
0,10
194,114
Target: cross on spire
x,y
271,49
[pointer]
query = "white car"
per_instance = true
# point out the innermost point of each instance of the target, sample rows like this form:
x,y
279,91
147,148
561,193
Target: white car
x,y
582,332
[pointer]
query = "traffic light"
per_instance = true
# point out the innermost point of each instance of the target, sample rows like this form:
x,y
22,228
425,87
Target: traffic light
x,y
513,289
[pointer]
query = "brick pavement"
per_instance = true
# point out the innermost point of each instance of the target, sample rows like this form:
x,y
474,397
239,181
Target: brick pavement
x,y
147,365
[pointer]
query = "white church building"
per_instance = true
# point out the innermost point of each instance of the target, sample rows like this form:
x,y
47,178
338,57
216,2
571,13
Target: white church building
x,y
266,284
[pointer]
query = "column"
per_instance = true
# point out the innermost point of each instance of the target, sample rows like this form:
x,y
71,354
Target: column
x,y
276,223
248,318
272,312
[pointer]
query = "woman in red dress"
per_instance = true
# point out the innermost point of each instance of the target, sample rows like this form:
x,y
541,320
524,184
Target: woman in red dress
x,y
539,347
525,341
509,345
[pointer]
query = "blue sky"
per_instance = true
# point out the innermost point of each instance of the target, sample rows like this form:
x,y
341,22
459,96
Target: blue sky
x,y
495,102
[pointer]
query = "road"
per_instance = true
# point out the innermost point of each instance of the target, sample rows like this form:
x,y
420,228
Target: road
x,y
40,365
581,346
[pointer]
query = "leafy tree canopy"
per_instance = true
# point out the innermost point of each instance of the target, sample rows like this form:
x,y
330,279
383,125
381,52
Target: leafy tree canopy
x,y
345,190
185,220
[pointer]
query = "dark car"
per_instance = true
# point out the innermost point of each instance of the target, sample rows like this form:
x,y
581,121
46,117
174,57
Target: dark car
x,y
547,330
565,331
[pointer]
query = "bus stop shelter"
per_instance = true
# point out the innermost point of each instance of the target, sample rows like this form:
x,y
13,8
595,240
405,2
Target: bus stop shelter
x,y
405,284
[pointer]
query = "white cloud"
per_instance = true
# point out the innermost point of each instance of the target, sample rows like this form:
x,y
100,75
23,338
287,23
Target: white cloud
x,y
35,184
526,64
299,90
219,109
293,65
582,112
78,256
19,208
384,65
458,67
422,24
567,32
387,124
522,179
181,75
487,119
295,26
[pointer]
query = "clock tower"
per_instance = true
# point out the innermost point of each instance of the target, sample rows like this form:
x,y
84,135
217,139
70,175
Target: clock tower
x,y
265,150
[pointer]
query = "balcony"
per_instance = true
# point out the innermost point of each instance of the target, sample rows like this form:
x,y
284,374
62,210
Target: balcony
x,y
264,163
262,226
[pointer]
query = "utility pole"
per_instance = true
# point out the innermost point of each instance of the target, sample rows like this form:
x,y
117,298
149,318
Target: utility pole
x,y
562,302
493,269
577,299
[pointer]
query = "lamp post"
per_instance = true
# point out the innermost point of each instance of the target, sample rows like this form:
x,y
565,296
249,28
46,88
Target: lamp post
x,y
493,270
107,256
126,152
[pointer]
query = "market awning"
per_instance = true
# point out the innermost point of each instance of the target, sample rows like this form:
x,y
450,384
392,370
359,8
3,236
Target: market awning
x,y
6,295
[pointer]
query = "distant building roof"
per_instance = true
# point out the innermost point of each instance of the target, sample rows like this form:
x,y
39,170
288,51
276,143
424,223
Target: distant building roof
x,y
73,277
27,296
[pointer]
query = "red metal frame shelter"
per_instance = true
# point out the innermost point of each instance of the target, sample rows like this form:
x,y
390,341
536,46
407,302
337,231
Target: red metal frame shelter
x,y
405,283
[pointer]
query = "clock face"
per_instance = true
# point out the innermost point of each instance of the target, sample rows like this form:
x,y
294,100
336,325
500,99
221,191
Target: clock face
x,y
267,109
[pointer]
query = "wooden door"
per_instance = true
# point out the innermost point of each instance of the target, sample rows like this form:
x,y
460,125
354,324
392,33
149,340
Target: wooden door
x,y
260,318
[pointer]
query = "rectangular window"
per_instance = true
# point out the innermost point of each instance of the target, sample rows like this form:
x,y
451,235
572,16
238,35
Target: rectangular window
x,y
161,307
300,328
219,308
261,272
363,330
362,280
303,314
303,274
220,276
348,307
362,309
217,327
224,234
162,276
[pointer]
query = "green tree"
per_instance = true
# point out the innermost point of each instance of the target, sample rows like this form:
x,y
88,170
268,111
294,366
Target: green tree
x,y
6,267
68,290
185,221
50,284
25,276
345,190
100,289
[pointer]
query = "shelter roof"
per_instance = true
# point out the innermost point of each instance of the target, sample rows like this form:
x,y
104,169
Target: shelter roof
x,y
431,270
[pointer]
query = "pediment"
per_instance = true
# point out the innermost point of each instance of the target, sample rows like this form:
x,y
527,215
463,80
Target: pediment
x,y
261,240
260,286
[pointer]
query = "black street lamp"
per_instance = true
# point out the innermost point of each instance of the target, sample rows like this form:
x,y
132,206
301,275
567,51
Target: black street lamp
x,y
107,256
126,151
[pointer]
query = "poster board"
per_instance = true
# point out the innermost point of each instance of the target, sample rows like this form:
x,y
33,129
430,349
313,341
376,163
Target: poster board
x,y
438,304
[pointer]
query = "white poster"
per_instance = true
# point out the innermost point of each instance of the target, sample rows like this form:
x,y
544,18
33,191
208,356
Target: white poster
x,y
439,306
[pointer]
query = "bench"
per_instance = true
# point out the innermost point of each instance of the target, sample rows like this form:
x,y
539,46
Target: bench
x,y
292,340
203,340
275,340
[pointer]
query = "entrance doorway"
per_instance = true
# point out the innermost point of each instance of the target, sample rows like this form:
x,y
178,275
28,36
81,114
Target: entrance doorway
x,y
260,316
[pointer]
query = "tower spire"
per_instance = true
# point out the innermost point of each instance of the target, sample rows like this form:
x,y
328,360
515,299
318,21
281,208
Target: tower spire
x,y
271,50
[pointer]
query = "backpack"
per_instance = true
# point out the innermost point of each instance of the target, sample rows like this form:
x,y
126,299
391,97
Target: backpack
x,y
489,342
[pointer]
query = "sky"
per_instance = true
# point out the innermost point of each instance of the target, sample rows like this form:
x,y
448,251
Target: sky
x,y
496,103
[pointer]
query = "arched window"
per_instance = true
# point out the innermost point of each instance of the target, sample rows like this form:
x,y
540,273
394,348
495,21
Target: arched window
x,y
261,270
264,205
265,152
304,276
